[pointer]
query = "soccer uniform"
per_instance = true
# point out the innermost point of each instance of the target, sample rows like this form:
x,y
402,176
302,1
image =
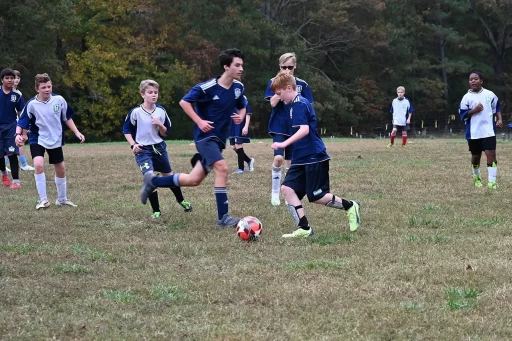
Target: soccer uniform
x,y
235,130
153,156
10,104
309,170
279,124
401,108
214,103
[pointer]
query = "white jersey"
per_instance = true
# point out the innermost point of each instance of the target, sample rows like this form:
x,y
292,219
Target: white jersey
x,y
139,124
481,124
401,108
44,120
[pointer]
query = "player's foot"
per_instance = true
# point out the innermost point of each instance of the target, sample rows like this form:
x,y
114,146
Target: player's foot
x,y
403,146
27,168
15,185
227,221
65,202
251,164
147,187
275,200
42,204
492,185
354,219
6,180
238,171
198,158
478,181
156,215
390,145
187,206
300,233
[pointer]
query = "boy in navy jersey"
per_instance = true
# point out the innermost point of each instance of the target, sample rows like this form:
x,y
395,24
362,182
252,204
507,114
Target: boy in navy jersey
x,y
279,122
309,169
214,102
144,128
11,102
43,116
402,110
477,109
238,135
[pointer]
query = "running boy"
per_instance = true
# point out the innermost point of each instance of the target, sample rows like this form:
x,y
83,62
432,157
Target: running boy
x,y
43,116
309,169
477,110
215,100
144,128
279,122
238,135
402,109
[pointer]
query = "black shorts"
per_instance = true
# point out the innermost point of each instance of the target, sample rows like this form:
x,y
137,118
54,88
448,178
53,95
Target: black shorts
x,y
477,146
55,155
311,180
401,128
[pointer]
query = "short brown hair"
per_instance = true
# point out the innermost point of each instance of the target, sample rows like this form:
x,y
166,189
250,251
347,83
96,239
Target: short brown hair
x,y
146,83
17,73
282,80
286,57
42,78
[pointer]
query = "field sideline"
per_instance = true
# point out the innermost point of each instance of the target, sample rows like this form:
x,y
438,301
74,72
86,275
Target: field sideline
x,y
431,260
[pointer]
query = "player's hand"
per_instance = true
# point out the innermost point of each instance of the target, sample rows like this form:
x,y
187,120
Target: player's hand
x,y
80,137
478,108
277,145
137,148
205,126
156,122
236,118
245,131
499,123
408,121
19,140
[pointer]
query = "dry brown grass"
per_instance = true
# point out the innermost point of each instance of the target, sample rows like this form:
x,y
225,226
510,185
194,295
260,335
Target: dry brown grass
x,y
106,271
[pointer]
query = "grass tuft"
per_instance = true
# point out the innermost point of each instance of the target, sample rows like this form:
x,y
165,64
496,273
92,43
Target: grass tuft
x,y
314,264
167,293
70,269
125,296
464,298
23,249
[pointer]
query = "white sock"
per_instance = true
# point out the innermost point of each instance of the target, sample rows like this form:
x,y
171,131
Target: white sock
x,y
61,188
493,171
41,186
476,171
276,179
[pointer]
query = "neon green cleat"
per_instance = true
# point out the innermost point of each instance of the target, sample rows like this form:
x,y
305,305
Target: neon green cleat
x,y
390,145
300,233
492,185
156,215
187,206
354,219
478,181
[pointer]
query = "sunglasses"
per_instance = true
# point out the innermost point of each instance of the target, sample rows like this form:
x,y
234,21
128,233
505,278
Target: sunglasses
x,y
284,67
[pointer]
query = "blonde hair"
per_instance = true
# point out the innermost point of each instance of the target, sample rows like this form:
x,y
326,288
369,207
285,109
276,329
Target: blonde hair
x,y
286,57
42,78
282,80
17,73
400,88
146,84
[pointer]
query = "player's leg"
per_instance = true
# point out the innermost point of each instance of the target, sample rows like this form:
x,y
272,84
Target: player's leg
x,y
392,137
37,152
24,166
56,158
144,160
239,150
475,147
241,153
15,170
6,163
293,190
277,171
404,134
489,147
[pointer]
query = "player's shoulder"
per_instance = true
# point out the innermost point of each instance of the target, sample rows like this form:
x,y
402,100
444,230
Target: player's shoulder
x,y
208,84
408,99
301,81
57,97
17,92
238,83
30,101
161,107
488,92
300,101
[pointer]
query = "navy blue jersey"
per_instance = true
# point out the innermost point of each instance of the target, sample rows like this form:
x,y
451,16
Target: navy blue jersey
x,y
10,104
279,122
215,103
310,148
235,130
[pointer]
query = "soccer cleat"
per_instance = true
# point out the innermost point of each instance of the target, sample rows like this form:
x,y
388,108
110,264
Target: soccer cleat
x,y
300,233
492,185
478,181
6,180
390,145
251,164
238,171
227,221
147,187
156,215
15,185
199,158
65,202
27,168
187,206
275,201
354,219
41,204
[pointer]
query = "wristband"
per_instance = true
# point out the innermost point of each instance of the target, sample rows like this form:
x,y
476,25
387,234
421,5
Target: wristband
x,y
131,147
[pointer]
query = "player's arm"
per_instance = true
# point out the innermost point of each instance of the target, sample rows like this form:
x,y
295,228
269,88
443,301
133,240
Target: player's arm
x,y
196,94
163,127
302,132
497,110
71,125
241,105
271,96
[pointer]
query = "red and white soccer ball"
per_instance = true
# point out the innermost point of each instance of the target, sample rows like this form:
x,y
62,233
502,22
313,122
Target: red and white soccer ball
x,y
249,228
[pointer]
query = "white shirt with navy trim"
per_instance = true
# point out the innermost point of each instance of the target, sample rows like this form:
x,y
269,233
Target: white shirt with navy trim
x,y
139,124
481,124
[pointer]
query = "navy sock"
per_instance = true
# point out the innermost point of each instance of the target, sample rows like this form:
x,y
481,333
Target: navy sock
x,y
178,194
221,196
15,168
303,223
166,181
239,153
153,200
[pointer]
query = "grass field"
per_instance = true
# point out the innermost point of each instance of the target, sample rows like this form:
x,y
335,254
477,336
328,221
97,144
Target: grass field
x,y
431,261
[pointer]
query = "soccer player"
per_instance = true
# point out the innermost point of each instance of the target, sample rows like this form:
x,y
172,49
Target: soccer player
x,y
238,135
309,169
11,102
215,100
144,128
43,116
477,109
279,122
402,109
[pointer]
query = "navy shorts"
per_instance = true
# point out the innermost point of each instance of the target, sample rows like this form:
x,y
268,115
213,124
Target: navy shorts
x,y
401,129
238,140
287,152
7,139
211,150
311,180
55,155
154,158
477,146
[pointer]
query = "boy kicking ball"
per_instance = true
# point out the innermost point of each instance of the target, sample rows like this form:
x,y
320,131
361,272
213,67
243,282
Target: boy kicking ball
x,y
309,169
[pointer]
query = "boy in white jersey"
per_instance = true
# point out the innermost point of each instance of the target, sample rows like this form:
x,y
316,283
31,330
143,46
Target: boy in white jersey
x,y
402,109
477,110
144,128
42,117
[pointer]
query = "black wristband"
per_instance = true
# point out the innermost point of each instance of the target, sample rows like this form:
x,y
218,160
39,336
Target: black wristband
x,y
131,147
16,134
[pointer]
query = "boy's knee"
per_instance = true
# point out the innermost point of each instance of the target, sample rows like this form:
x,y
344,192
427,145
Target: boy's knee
x,y
286,190
278,160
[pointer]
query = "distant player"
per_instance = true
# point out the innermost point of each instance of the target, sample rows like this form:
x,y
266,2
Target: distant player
x,y
477,109
11,102
214,102
309,169
42,117
279,122
402,110
238,135
144,129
